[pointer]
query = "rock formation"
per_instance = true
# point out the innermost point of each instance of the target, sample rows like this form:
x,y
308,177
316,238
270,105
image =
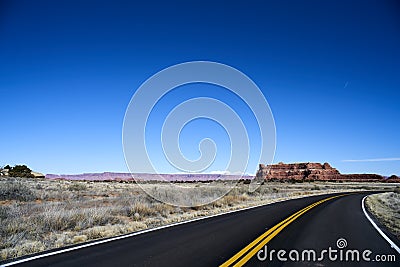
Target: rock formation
x,y
312,172
298,171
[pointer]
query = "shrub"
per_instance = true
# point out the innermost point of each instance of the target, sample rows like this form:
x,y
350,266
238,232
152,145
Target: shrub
x,y
11,190
27,247
315,187
79,238
77,187
20,171
4,211
144,210
60,218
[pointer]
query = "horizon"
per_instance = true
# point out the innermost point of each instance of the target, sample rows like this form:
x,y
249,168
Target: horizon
x,y
329,72
208,173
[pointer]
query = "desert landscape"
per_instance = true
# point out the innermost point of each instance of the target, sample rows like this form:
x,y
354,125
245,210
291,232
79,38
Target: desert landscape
x,y
38,214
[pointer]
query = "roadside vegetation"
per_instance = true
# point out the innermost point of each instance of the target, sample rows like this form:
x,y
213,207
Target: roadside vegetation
x,y
386,208
17,171
39,214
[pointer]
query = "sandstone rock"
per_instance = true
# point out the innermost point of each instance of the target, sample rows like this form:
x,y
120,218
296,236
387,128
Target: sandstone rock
x,y
37,174
309,171
298,171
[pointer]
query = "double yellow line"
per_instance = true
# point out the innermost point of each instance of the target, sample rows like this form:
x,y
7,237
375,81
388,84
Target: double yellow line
x,y
251,249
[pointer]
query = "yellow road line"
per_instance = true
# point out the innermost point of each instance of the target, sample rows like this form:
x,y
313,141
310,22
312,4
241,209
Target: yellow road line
x,y
256,241
263,239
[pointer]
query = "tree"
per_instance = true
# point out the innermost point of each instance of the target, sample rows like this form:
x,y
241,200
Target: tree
x,y
7,167
20,171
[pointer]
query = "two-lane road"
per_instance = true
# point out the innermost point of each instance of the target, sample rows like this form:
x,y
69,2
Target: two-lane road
x,y
339,220
214,241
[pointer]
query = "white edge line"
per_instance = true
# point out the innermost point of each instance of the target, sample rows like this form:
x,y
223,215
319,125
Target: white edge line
x,y
133,234
392,244
143,232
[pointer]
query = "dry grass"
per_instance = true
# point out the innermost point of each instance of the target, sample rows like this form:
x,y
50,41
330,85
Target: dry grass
x,y
16,191
40,214
386,208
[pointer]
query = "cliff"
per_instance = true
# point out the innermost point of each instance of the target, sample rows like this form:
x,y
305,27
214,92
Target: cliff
x,y
313,172
298,171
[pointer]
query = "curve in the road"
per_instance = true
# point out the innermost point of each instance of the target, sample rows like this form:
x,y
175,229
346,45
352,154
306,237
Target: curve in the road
x,y
213,241
243,256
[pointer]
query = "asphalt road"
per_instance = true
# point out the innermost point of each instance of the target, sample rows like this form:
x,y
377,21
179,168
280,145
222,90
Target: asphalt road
x,y
213,241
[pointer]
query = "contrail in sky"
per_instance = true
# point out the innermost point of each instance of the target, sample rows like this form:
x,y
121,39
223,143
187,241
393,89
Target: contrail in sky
x,y
371,160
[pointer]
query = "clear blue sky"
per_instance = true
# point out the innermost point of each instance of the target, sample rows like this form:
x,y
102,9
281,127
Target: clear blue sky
x,y
330,71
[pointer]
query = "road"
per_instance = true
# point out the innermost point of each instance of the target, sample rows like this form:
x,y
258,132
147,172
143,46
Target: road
x,y
214,241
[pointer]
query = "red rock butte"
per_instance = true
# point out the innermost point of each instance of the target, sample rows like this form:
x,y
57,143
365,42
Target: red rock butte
x,y
311,171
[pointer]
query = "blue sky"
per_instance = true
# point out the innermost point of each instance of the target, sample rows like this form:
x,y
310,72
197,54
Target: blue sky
x,y
329,70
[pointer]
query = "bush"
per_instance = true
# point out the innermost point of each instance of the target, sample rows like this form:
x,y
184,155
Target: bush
x,y
315,187
20,171
4,211
11,190
397,190
77,187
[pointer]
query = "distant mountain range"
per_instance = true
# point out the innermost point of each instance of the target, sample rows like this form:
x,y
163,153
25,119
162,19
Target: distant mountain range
x,y
115,176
